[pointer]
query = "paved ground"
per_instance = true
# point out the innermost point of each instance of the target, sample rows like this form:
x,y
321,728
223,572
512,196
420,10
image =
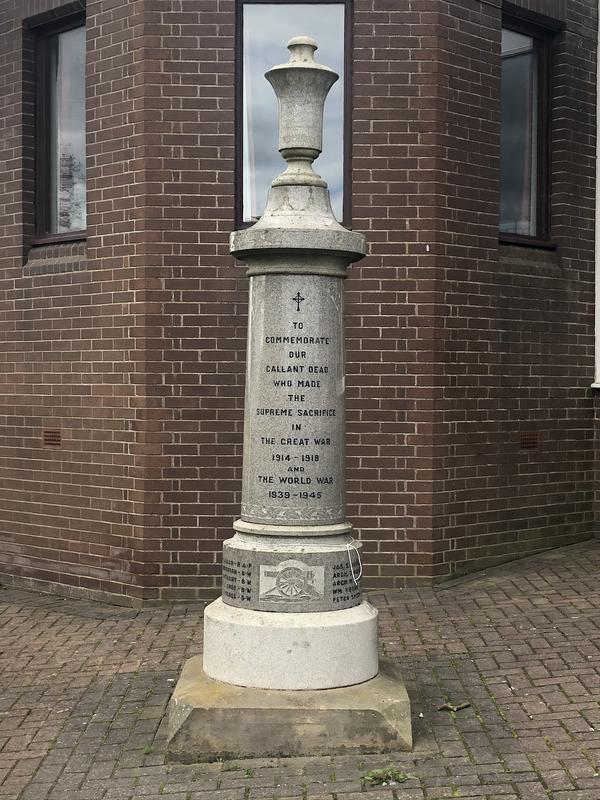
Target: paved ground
x,y
84,687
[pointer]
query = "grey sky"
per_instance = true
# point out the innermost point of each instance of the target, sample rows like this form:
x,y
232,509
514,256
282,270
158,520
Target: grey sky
x,y
267,29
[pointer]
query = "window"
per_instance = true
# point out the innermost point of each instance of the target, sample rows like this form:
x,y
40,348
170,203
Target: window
x,y
264,28
60,207
524,136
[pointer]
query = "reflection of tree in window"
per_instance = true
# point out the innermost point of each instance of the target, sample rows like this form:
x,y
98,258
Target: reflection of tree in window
x,y
67,131
71,198
267,29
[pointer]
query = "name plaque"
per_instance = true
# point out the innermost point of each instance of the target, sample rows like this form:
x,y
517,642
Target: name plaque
x,y
293,435
290,582
237,579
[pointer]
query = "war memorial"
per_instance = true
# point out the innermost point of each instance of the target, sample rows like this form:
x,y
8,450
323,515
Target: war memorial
x,y
290,663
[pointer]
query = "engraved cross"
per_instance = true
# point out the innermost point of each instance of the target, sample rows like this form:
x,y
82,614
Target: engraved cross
x,y
298,299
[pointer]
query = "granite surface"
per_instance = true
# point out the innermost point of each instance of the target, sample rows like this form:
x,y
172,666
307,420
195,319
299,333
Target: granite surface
x,y
294,415
313,574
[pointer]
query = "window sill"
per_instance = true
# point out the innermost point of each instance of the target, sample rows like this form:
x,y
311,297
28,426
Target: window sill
x,y
529,260
56,258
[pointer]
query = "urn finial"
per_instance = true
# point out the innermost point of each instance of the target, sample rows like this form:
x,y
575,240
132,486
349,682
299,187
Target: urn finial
x,y
301,97
298,217
302,48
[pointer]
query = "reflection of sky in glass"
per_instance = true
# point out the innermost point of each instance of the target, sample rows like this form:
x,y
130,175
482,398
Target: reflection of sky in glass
x,y
518,139
267,29
67,212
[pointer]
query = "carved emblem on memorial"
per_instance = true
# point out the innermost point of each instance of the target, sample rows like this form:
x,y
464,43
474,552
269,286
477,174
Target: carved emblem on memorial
x,y
291,581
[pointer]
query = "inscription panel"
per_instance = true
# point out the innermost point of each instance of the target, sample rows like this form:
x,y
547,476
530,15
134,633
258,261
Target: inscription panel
x,y
293,435
237,579
282,582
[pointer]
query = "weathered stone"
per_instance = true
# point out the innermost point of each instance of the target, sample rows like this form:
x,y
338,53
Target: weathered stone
x,y
294,416
330,250
301,101
291,616
210,720
295,531
290,651
291,575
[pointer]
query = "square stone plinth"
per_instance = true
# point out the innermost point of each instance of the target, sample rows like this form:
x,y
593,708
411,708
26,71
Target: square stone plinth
x,y
210,720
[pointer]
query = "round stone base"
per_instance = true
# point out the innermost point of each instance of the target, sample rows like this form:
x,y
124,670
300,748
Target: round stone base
x,y
270,650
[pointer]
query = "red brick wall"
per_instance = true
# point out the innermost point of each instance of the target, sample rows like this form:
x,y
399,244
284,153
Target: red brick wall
x,y
72,515
134,345
518,340
392,296
195,358
459,346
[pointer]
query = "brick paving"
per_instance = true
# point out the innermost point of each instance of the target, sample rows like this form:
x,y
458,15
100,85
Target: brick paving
x,y
84,688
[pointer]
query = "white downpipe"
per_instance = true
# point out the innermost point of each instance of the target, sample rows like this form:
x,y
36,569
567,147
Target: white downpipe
x,y
596,383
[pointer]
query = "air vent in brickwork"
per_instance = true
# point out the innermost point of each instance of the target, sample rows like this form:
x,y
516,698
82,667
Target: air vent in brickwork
x,y
52,437
529,440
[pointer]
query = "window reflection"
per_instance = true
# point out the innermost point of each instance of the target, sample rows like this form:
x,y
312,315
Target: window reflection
x,y
518,134
66,63
267,29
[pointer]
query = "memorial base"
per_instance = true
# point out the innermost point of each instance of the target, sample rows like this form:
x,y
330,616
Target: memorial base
x,y
210,720
269,650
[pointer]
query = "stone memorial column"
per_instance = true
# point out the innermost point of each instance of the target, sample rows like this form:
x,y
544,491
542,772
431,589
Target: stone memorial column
x,y
291,615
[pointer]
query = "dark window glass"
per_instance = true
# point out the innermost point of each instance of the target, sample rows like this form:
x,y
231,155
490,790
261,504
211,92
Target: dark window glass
x,y
518,165
266,31
524,134
60,184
